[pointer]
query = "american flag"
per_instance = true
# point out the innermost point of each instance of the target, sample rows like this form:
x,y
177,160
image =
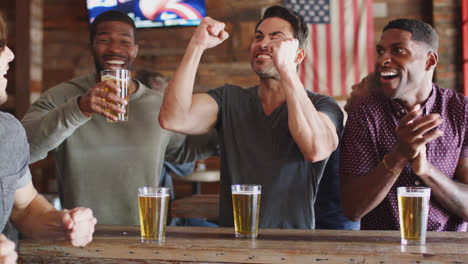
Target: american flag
x,y
340,47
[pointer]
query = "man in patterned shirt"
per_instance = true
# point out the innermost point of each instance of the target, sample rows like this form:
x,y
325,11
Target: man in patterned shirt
x,y
409,132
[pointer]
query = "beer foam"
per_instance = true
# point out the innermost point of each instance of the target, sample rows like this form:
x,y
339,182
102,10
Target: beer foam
x,y
413,194
154,195
110,78
246,192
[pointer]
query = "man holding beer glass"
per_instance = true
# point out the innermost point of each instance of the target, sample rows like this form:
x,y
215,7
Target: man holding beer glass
x,y
409,132
101,164
276,135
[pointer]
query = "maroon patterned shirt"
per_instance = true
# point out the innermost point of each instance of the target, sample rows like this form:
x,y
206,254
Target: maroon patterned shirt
x,y
370,134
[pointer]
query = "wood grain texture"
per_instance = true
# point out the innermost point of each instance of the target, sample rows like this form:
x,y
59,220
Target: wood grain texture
x,y
121,244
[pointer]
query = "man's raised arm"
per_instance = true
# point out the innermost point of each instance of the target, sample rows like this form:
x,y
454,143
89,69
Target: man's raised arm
x,y
181,111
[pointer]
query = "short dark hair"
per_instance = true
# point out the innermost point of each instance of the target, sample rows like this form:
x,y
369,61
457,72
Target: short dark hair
x,y
299,26
3,33
112,15
419,30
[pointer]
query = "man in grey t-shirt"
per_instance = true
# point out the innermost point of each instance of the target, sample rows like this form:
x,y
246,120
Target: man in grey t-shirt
x,y
20,203
275,134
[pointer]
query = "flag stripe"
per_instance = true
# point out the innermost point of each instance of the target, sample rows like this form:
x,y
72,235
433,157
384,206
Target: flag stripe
x,y
342,46
329,60
370,36
315,64
357,64
322,59
336,44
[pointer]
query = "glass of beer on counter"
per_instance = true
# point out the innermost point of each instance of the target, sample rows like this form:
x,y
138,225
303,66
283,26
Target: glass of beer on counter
x,y
413,208
120,77
246,209
153,203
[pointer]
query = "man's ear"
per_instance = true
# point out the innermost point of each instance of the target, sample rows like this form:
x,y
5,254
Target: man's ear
x,y
431,61
300,55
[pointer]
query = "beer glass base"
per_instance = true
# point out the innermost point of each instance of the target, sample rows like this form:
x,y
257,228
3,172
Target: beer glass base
x,y
152,241
118,121
245,235
412,242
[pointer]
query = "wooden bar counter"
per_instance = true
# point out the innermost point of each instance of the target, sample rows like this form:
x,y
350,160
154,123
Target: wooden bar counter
x,y
121,244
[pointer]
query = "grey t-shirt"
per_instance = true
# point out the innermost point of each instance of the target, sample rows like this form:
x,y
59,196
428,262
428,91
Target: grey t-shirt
x,y
14,170
259,149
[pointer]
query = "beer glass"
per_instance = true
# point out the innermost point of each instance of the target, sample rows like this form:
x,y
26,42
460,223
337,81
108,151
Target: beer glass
x,y
413,208
120,77
153,203
246,209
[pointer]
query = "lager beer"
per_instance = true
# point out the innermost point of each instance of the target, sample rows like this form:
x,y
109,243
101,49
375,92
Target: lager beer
x,y
413,207
246,209
121,79
153,203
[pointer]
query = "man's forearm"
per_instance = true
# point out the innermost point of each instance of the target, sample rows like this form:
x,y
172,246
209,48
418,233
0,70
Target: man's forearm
x,y
313,132
47,128
452,195
39,220
360,194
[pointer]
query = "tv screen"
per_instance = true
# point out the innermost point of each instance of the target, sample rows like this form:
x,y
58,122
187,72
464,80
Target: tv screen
x,y
153,13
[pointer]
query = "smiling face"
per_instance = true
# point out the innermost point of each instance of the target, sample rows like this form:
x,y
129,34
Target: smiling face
x,y
114,46
260,55
403,66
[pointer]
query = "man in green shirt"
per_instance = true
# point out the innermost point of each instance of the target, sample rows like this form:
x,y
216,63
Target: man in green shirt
x,y
100,164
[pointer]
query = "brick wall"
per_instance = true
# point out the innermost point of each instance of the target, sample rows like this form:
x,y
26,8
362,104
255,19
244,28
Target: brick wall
x,y
447,22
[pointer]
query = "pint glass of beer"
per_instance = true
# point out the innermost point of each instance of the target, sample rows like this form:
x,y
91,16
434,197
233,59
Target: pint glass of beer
x,y
122,78
153,203
246,209
413,207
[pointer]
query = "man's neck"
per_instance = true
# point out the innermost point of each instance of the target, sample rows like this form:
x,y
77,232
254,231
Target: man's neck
x,y
133,86
271,94
419,97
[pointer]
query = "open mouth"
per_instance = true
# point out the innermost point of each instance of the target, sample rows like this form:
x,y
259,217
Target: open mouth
x,y
388,75
263,56
115,64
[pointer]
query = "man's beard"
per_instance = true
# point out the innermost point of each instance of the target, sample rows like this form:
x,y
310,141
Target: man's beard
x,y
270,72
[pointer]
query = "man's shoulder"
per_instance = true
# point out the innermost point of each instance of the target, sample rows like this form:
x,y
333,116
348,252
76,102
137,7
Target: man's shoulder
x,y
236,88
79,84
232,92
8,119
10,128
450,95
317,97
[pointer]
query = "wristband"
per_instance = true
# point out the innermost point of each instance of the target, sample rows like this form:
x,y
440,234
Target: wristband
x,y
388,168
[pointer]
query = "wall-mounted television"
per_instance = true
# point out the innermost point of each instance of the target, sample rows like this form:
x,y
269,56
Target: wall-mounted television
x,y
153,13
